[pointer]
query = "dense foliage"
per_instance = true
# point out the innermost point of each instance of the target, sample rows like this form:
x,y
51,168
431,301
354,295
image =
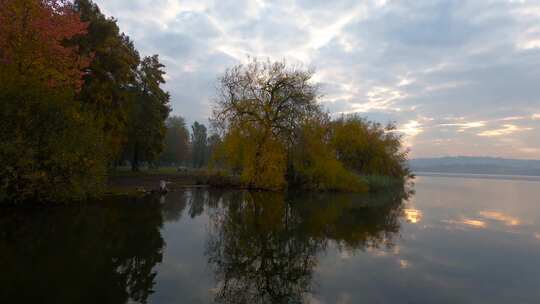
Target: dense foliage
x,y
71,89
176,142
199,140
276,134
146,120
76,99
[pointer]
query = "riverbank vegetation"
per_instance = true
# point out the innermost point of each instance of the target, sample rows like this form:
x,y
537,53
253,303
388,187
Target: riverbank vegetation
x,y
75,98
276,134
78,101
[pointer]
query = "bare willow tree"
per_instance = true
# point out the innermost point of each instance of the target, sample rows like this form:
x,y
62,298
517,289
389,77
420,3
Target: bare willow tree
x,y
272,96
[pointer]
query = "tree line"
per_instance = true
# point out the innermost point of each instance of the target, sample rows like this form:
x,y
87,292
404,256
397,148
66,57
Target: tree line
x,y
184,148
77,99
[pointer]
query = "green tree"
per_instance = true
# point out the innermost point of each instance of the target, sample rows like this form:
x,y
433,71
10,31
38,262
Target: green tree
x,y
176,145
199,143
111,75
148,114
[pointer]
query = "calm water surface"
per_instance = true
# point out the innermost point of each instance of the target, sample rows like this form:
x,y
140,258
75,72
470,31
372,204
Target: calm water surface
x,y
456,240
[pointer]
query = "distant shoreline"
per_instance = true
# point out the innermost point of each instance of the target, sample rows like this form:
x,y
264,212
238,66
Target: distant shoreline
x,y
479,176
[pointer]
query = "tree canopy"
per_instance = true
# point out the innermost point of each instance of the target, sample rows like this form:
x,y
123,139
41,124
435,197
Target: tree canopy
x,y
76,98
176,142
276,134
73,94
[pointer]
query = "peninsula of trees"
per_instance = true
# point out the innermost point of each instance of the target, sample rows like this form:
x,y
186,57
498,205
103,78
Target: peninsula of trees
x,y
77,100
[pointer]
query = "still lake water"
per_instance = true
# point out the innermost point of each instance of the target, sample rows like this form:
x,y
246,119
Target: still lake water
x,y
456,240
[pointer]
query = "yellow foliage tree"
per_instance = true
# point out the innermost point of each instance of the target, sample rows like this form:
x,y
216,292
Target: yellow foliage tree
x,y
275,133
315,165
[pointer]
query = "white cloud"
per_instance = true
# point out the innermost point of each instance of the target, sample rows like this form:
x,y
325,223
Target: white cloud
x,y
465,125
505,130
390,60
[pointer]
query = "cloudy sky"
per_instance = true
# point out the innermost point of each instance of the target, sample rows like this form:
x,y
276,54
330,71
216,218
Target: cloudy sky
x,y
459,77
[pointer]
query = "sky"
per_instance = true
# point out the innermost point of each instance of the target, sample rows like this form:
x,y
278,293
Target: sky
x,y
458,77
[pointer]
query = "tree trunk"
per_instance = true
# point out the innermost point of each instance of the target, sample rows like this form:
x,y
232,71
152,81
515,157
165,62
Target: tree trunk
x,y
135,160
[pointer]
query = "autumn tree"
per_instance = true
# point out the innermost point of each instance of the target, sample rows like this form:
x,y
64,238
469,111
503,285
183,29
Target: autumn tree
x,y
261,107
51,148
176,145
369,148
275,134
313,161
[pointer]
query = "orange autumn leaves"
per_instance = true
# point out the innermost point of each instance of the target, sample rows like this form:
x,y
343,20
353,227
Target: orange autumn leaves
x,y
33,42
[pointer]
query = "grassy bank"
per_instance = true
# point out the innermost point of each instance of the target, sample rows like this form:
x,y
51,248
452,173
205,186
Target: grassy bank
x,y
379,183
123,181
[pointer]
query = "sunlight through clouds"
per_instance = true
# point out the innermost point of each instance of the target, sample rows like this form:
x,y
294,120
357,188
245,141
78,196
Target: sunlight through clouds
x,y
387,60
506,130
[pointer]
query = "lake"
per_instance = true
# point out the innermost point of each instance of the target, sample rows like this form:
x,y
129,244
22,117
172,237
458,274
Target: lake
x,y
455,240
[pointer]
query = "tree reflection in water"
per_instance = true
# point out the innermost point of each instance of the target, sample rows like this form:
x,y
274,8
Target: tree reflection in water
x,y
93,253
263,247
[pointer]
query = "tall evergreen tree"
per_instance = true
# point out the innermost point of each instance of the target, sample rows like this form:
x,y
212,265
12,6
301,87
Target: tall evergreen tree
x,y
176,145
148,114
199,142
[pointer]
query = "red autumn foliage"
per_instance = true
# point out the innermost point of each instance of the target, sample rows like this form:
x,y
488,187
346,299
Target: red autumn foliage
x,y
34,41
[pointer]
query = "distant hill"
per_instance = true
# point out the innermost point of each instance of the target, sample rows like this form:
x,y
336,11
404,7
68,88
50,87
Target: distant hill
x,y
476,165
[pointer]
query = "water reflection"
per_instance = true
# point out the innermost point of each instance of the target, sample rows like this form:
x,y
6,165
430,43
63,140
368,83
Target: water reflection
x,y
80,254
263,247
260,247
501,217
412,215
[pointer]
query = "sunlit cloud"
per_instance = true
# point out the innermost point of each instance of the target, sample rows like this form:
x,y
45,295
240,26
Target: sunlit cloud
x,y
445,86
405,81
389,60
499,216
529,44
465,125
507,129
512,118
535,151
411,129
379,98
